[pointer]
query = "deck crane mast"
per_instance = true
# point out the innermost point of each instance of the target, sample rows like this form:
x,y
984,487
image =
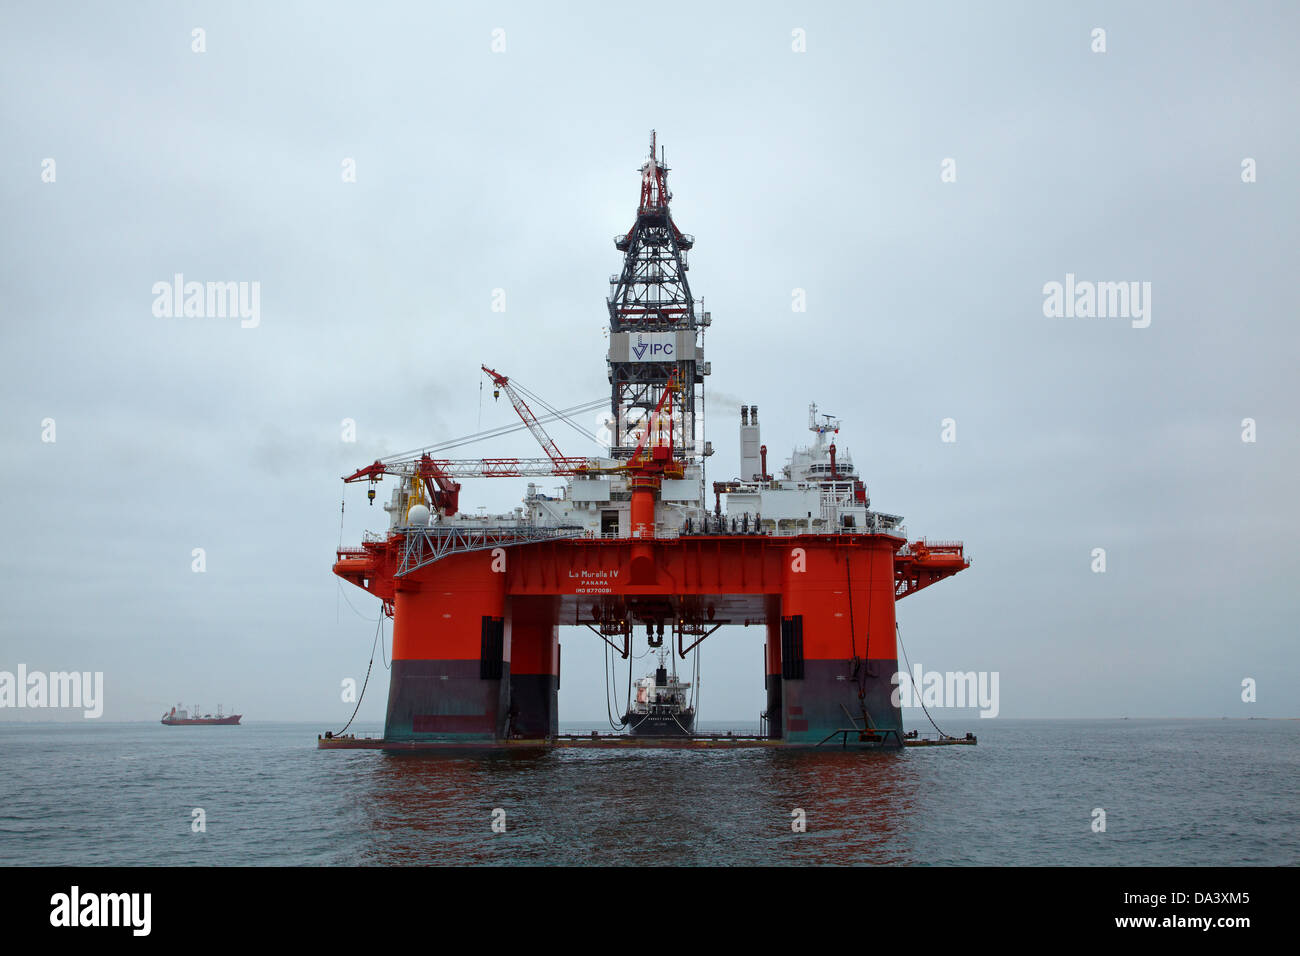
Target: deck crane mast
x,y
525,413
435,477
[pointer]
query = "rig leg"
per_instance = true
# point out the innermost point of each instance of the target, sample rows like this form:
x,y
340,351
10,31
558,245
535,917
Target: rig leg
x,y
534,667
451,675
837,649
772,679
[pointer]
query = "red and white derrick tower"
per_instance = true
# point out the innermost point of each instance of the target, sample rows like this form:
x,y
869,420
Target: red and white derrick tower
x,y
654,323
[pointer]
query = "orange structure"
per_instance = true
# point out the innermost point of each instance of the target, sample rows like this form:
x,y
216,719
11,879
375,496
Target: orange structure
x,y
633,547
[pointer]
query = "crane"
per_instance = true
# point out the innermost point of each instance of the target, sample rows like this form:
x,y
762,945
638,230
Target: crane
x,y
525,413
436,477
661,457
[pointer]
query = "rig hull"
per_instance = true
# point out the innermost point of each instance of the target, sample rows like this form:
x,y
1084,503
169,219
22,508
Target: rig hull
x,y
476,658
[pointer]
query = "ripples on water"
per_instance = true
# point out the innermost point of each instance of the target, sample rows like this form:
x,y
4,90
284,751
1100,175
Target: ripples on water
x,y
1175,793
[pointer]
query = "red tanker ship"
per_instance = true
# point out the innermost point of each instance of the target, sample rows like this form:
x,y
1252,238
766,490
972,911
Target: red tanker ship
x,y
181,718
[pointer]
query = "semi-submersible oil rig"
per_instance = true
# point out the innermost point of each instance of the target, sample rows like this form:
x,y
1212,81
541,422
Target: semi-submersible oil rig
x,y
635,541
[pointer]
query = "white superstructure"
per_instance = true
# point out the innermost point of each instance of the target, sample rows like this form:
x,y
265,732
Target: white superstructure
x,y
818,491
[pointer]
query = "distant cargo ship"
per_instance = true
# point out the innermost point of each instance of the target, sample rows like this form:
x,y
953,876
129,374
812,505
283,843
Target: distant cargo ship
x,y
182,718
661,708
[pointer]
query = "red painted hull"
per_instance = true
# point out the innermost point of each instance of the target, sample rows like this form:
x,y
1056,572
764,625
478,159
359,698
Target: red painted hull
x,y
222,721
475,650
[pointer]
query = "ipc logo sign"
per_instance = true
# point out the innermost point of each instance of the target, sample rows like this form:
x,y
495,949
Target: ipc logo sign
x,y
655,349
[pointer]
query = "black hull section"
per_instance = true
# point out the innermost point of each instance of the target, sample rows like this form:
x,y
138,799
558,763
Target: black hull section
x,y
660,725
446,700
534,711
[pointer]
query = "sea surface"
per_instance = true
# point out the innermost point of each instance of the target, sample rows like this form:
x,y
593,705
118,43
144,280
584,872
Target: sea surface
x,y
1174,792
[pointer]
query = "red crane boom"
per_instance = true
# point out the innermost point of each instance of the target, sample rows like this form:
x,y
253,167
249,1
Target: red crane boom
x,y
527,416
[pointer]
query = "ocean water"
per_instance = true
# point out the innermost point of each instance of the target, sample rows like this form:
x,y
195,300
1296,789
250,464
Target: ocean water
x,y
1175,792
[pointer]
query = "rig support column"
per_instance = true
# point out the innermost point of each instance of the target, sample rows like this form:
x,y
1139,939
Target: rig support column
x,y
837,646
641,516
772,679
533,636
451,670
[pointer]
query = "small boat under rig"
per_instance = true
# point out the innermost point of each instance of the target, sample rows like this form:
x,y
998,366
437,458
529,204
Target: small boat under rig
x,y
661,707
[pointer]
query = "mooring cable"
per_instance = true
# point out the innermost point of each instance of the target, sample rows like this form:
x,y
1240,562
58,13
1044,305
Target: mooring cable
x,y
608,669
899,635
694,700
859,677
679,724
627,708
362,696
368,620
695,690
609,709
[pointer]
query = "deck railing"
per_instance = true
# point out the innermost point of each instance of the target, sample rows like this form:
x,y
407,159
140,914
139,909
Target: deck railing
x,y
424,546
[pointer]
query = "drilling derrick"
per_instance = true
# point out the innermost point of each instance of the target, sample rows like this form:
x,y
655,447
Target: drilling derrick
x,y
653,323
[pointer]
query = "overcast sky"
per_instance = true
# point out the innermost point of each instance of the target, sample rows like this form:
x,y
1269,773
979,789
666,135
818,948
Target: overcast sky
x,y
818,170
